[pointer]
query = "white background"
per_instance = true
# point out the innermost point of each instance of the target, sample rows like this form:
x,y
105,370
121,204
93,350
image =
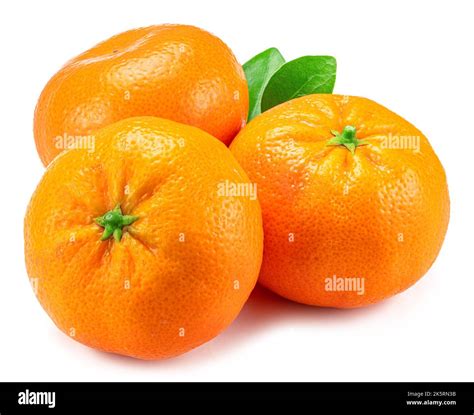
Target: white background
x,y
416,58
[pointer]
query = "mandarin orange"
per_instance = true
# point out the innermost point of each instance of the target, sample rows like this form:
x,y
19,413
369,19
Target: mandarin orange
x,y
354,200
177,72
141,246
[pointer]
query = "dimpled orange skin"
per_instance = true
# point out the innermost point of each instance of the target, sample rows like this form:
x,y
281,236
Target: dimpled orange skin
x,y
181,272
379,214
176,72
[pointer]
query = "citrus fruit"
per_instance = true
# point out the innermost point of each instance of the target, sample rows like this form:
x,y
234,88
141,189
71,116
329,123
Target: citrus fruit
x,y
176,72
141,247
354,200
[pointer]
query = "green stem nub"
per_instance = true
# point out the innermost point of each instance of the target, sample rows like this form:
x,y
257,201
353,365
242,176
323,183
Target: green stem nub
x,y
347,139
113,223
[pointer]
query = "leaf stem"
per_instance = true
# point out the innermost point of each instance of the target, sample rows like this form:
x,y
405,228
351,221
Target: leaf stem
x,y
347,139
113,223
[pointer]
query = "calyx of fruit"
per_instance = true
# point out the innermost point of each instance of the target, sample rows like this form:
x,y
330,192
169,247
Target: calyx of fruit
x,y
347,139
113,222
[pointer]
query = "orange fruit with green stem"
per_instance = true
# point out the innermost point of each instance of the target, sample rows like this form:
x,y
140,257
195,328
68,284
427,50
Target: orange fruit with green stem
x,y
354,200
177,72
134,247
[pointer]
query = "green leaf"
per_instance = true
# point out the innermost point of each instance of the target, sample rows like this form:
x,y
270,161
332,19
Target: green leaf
x,y
258,71
299,77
